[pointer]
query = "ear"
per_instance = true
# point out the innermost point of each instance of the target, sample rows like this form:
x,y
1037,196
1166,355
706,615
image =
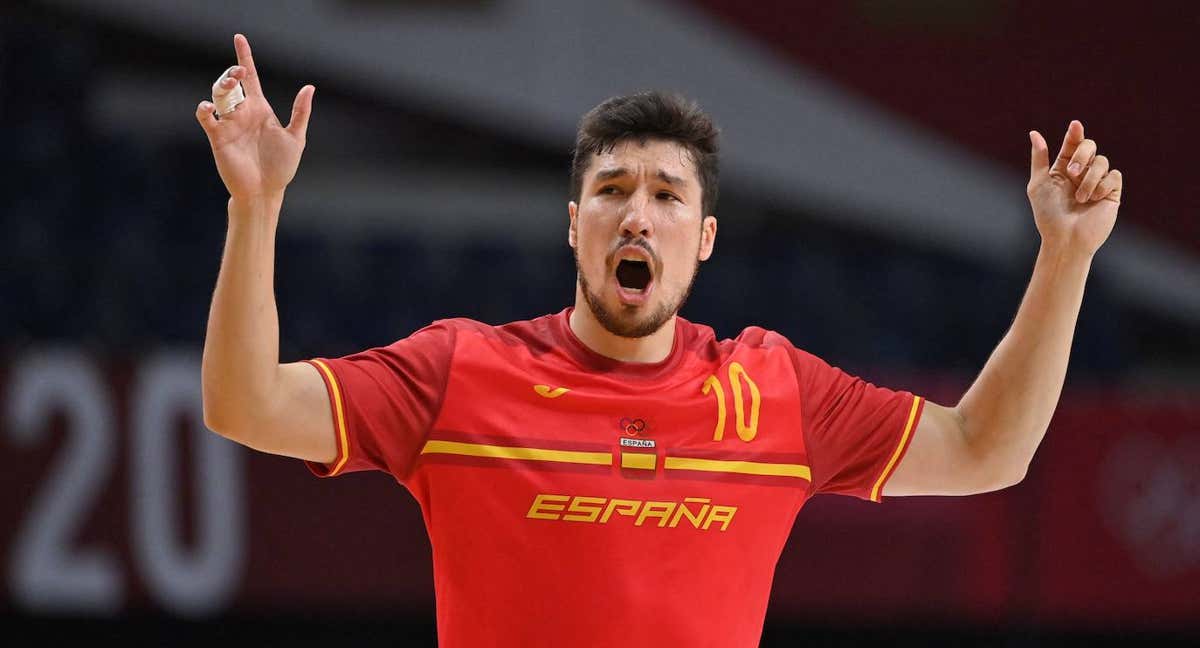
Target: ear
x,y
573,228
708,237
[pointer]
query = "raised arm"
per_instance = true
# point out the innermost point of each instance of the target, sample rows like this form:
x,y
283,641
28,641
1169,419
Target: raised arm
x,y
249,396
987,441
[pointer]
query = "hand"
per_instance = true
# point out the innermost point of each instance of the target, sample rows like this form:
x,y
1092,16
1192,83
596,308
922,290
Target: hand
x,y
255,156
1075,201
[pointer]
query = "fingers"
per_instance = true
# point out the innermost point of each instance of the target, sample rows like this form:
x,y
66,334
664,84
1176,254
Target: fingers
x,y
227,94
246,60
208,121
1039,157
1094,174
1078,160
1084,154
301,110
1109,187
225,83
225,86
1071,141
228,81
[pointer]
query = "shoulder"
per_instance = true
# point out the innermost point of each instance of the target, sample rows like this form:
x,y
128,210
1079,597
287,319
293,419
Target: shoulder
x,y
759,341
759,337
753,341
531,332
755,338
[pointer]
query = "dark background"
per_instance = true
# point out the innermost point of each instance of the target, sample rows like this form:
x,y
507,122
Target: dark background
x,y
896,246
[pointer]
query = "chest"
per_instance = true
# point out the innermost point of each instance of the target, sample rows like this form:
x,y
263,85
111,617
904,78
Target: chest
x,y
740,406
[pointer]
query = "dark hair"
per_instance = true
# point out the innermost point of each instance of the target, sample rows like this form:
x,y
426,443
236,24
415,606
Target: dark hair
x,y
646,115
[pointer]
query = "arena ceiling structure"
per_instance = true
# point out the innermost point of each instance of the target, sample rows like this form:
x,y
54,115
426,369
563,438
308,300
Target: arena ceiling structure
x,y
795,131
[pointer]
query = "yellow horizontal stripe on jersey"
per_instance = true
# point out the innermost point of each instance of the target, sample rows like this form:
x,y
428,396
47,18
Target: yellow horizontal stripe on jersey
x,y
741,467
512,452
643,460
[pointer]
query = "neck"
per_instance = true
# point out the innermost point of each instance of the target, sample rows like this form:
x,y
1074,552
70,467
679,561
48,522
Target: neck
x,y
652,348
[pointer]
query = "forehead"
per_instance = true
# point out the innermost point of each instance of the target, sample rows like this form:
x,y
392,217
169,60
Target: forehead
x,y
648,157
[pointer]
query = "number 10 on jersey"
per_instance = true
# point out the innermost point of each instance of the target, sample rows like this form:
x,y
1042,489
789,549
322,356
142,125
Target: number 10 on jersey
x,y
737,373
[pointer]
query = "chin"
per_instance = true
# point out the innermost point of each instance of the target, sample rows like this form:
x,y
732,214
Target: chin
x,y
631,320
628,320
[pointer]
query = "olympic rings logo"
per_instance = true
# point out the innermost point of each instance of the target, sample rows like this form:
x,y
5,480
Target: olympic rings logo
x,y
632,426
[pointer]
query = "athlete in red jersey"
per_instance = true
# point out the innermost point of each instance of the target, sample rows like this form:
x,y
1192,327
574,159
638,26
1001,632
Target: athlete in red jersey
x,y
613,474
660,493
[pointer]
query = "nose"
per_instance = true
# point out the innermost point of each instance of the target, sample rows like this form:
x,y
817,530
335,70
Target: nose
x,y
636,221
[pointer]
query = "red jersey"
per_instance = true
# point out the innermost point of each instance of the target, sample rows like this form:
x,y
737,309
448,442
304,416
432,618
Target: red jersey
x,y
576,500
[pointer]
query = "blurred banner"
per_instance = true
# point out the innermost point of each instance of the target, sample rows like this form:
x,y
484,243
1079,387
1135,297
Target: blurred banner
x,y
120,501
1118,518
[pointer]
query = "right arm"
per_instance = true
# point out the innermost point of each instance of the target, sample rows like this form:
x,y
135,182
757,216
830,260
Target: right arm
x,y
249,396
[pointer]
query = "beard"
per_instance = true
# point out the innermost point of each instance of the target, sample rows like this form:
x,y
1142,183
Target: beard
x,y
624,321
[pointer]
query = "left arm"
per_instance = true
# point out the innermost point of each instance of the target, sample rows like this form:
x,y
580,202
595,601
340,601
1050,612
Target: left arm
x,y
986,442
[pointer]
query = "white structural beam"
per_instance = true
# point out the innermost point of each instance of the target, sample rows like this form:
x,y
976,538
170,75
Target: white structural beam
x,y
531,68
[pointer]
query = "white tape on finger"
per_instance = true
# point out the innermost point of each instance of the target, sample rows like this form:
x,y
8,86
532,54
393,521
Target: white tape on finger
x,y
227,99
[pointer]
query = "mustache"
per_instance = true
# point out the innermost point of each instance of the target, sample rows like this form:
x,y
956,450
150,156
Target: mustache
x,y
639,242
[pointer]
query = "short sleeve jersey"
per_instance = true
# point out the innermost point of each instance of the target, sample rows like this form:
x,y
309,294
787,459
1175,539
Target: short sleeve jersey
x,y
575,500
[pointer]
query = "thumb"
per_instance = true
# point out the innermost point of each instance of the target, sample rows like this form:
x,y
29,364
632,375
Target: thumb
x,y
301,109
204,114
1039,157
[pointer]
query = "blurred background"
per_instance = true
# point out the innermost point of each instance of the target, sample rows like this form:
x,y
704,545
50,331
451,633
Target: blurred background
x,y
874,165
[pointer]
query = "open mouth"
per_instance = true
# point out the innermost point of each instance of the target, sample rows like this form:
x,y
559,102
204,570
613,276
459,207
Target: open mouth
x,y
633,275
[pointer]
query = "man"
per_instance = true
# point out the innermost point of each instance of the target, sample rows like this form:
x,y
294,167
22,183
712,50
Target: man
x,y
613,474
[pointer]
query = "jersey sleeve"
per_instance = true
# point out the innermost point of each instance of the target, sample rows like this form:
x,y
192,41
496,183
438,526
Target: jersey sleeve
x,y
384,401
855,433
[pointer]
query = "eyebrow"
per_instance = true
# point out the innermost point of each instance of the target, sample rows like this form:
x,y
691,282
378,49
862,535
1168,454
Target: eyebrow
x,y
609,174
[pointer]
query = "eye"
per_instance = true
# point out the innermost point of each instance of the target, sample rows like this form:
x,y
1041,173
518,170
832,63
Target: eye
x,y
664,195
609,189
